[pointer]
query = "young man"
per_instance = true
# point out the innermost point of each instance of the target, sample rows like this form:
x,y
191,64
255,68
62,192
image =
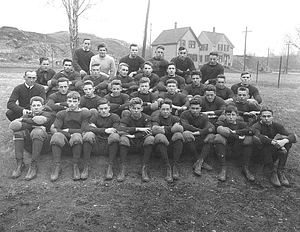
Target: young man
x,y
106,62
89,100
230,137
22,94
159,63
222,91
44,75
82,57
211,70
276,144
253,91
171,70
31,134
68,128
137,128
118,101
184,64
102,137
58,101
149,99
196,87
168,134
198,134
68,72
134,61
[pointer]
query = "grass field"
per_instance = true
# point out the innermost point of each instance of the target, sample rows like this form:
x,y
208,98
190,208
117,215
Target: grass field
x,y
190,204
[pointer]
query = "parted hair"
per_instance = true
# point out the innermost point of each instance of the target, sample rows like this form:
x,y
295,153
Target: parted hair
x,y
37,98
196,101
165,101
74,95
243,89
134,101
62,79
230,108
171,81
195,72
210,88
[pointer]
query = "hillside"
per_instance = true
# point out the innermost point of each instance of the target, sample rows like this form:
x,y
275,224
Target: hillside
x,y
17,45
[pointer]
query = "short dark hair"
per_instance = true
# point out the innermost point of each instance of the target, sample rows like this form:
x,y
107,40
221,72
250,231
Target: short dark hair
x,y
37,98
148,63
245,72
165,101
86,39
43,58
67,60
221,76
210,88
124,64
242,89
231,108
135,101
102,45
181,48
144,80
196,101
171,81
213,54
96,64
116,82
171,63
103,101
265,108
195,72
88,82
160,47
74,95
133,45
63,79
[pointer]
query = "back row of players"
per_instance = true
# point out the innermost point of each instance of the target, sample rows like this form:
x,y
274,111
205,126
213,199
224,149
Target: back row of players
x,y
123,112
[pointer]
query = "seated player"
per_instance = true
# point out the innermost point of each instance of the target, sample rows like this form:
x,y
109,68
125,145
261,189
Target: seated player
x,y
137,128
149,99
179,100
168,136
171,70
126,80
89,99
158,61
58,101
198,134
31,134
22,94
222,91
253,91
68,128
118,101
102,137
196,87
276,144
230,141
99,79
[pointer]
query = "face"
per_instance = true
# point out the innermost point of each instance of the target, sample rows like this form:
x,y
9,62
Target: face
x,y
195,110
103,110
182,54
136,110
171,70
30,78
242,96
63,87
210,95
67,66
171,88
134,51
165,110
266,117
123,71
231,117
88,90
102,52
144,87
116,90
245,79
95,70
147,69
73,103
159,53
196,80
86,44
220,83
45,65
36,107
213,59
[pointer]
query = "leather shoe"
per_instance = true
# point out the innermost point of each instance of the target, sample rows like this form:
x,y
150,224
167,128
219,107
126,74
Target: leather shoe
x,y
283,180
274,179
206,166
76,172
145,176
32,171
248,174
18,171
121,175
55,172
197,167
175,171
85,173
169,177
223,174
109,172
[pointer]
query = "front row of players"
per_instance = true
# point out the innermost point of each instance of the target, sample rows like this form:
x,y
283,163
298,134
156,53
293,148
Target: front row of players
x,y
78,130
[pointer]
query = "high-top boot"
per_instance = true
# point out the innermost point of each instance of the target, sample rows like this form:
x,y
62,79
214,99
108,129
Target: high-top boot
x,y
18,170
175,171
169,177
121,175
55,171
283,180
206,166
145,176
76,172
248,174
274,178
197,167
109,172
223,174
85,173
32,171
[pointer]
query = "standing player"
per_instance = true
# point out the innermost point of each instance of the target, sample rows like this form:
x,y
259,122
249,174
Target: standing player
x,y
82,57
44,75
211,70
159,63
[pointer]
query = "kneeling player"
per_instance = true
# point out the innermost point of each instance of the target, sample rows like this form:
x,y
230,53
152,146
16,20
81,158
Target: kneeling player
x,y
167,129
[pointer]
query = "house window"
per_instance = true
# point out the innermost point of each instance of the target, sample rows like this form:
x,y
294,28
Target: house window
x,y
204,47
192,44
206,58
193,57
200,58
182,43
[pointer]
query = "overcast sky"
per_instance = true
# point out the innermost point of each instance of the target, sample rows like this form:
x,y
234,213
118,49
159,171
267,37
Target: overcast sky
x,y
269,20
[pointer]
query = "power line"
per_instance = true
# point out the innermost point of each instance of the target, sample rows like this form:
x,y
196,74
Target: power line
x,y
245,47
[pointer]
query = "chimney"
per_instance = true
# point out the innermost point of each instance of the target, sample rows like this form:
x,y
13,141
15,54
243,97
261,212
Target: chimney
x,y
214,29
175,26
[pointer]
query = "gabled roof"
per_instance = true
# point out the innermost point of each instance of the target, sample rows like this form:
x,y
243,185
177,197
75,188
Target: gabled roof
x,y
173,36
215,37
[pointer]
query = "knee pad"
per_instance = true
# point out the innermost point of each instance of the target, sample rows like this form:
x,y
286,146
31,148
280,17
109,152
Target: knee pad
x,y
220,139
157,130
176,128
15,125
210,138
38,133
188,136
224,131
113,138
149,140
124,141
76,138
160,138
89,137
177,136
58,139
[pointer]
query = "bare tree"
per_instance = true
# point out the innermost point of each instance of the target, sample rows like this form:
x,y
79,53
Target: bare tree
x,y
294,39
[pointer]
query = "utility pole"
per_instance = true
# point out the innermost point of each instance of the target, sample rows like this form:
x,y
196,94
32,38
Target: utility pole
x,y
268,57
245,47
145,32
287,58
